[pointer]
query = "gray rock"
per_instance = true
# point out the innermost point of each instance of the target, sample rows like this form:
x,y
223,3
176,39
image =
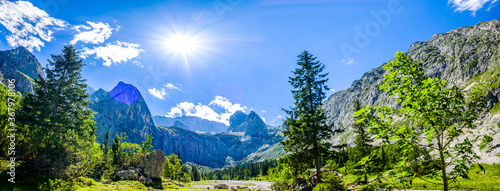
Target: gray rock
x,y
21,65
221,186
301,184
152,164
145,180
128,174
108,181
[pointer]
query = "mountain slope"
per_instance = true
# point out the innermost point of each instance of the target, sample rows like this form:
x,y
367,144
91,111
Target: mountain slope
x,y
190,123
21,65
133,118
464,56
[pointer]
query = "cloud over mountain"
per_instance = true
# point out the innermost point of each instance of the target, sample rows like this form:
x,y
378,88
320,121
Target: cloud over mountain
x,y
219,110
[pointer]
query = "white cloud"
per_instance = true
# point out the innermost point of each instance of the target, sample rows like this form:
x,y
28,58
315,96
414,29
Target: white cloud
x,y
94,33
471,5
279,116
28,25
171,86
113,52
159,93
348,62
263,111
206,111
332,90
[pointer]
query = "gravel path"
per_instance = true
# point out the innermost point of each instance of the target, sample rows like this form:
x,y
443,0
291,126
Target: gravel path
x,y
252,184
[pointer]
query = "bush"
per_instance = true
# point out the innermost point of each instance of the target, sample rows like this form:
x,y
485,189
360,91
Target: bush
x,y
281,185
367,187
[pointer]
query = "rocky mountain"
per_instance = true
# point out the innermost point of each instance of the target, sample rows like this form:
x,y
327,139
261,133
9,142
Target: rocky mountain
x,y
215,149
190,123
123,110
251,124
464,56
21,65
117,116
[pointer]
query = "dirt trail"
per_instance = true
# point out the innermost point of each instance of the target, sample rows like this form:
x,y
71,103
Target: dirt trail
x,y
252,184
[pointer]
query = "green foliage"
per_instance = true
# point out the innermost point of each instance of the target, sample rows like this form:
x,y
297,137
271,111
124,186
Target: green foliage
x,y
195,174
485,142
428,112
281,185
330,181
147,146
363,141
286,168
57,123
242,172
306,131
7,100
175,169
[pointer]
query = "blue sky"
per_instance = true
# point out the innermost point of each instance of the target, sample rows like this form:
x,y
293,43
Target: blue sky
x,y
212,58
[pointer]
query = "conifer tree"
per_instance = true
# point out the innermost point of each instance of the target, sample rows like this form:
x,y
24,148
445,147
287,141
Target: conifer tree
x,y
306,130
58,123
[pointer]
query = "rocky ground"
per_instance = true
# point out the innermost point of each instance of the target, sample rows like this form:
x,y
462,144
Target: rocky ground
x,y
251,184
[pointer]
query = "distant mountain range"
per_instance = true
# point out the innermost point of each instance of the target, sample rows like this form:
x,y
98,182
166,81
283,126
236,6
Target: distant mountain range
x,y
191,123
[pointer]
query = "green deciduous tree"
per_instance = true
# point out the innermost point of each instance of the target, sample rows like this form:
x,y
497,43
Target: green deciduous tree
x,y
56,119
306,130
428,120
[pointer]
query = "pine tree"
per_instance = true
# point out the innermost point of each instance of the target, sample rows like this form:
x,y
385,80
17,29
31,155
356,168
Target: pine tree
x,y
106,147
117,150
306,130
362,141
57,120
196,173
147,146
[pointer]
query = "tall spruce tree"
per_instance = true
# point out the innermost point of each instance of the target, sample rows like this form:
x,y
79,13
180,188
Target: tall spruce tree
x,y
58,123
363,147
306,130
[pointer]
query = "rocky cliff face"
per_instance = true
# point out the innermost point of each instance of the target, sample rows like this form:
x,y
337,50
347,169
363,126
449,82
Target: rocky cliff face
x,y
21,65
464,56
132,118
190,123
251,124
218,149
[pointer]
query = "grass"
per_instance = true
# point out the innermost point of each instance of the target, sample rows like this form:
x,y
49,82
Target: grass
x,y
488,180
495,108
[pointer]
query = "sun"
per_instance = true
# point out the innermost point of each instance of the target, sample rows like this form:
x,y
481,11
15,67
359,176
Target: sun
x,y
182,44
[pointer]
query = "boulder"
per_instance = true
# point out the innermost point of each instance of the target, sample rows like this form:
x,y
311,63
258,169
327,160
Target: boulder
x,y
145,180
128,174
152,164
221,186
107,181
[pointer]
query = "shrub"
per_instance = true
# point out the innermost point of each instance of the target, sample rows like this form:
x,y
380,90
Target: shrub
x,y
281,185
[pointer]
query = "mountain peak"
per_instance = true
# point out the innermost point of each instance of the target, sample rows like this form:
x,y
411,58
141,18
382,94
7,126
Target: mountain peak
x,y
125,93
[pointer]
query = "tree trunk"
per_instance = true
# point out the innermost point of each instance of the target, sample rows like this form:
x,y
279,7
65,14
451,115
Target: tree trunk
x,y
443,166
318,163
